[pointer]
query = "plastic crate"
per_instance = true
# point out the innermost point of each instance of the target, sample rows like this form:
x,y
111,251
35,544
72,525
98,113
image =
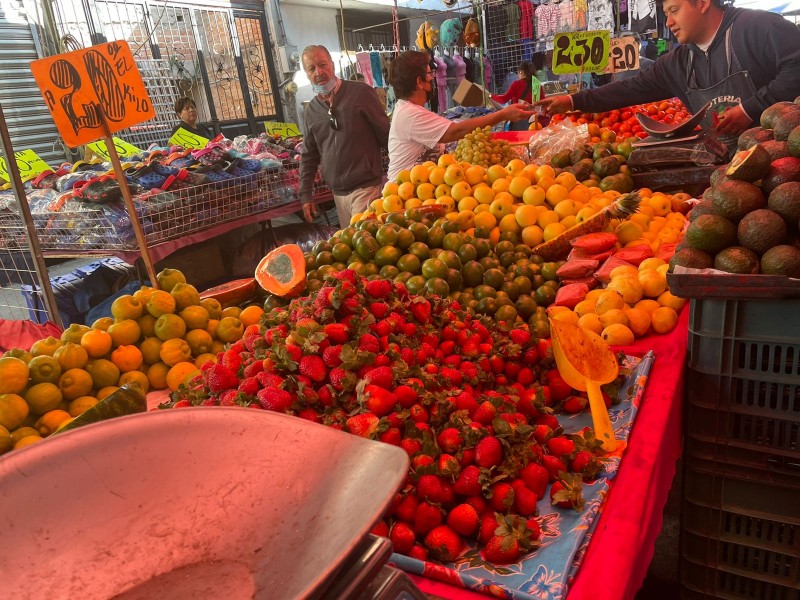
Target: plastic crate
x,y
743,389
738,539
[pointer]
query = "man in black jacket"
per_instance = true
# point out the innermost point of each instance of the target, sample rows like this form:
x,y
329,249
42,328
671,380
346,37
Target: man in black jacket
x,y
344,130
742,61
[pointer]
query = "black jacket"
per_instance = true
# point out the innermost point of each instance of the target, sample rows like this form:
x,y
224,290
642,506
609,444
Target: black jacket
x,y
350,157
765,44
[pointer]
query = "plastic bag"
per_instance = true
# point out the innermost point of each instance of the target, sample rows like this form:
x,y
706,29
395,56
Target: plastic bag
x,y
635,254
576,268
589,281
604,272
595,242
580,254
571,295
557,137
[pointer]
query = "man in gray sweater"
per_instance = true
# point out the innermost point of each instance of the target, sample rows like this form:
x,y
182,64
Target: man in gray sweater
x,y
344,130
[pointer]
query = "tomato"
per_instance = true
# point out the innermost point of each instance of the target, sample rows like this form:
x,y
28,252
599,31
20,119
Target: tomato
x,y
626,114
605,122
663,106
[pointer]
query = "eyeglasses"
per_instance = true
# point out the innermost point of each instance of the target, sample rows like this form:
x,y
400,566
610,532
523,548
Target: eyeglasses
x,y
332,120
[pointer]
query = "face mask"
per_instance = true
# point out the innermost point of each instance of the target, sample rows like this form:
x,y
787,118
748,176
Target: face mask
x,y
324,89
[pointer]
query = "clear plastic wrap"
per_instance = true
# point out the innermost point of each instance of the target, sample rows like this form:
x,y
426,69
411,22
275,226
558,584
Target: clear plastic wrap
x,y
557,137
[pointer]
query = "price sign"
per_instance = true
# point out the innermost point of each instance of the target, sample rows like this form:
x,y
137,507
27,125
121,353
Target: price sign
x,y
187,139
275,128
123,148
83,87
28,162
536,89
623,55
578,51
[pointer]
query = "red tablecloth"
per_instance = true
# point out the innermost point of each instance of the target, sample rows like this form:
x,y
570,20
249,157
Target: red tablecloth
x,y
622,545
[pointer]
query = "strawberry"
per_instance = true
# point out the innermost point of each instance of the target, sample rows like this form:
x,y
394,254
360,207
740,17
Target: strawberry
x,y
561,446
382,360
553,465
488,452
519,336
574,404
489,523
466,401
566,491
325,395
525,501
418,551
295,352
406,395
379,309
249,386
379,400
337,333
478,503
429,488
485,413
450,440
313,367
391,436
380,376
408,356
427,517
274,399
219,378
502,496
544,348
369,343
421,309
407,508
254,368
232,360
382,328
182,404
559,389
548,420
309,414
419,413
444,544
586,464
411,446
228,398
364,425
502,550
468,482
381,529
536,529
378,288
421,460
339,378
402,537
463,519
332,356
448,465
536,478
451,377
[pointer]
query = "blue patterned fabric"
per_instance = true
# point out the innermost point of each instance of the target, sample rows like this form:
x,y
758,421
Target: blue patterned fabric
x,y
545,573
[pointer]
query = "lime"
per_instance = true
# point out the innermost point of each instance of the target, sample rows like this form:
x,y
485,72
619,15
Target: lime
x,y
433,267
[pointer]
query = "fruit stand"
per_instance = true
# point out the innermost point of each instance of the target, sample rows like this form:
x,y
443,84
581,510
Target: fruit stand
x,y
462,319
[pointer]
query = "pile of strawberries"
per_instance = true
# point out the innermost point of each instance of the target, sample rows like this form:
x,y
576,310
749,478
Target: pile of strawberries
x,y
471,405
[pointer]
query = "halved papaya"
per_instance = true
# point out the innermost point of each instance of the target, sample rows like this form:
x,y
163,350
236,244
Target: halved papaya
x,y
283,271
232,292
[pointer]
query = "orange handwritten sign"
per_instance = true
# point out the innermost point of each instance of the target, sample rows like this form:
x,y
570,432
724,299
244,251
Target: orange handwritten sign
x,y
82,87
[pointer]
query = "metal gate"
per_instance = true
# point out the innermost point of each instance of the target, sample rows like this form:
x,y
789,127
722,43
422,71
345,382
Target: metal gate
x,y
216,56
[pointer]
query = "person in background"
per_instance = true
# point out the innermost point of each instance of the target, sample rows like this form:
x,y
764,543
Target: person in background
x,y
186,110
415,130
521,89
740,61
344,130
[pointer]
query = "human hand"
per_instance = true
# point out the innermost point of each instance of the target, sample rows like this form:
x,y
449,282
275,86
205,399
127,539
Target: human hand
x,y
555,105
517,112
309,211
733,121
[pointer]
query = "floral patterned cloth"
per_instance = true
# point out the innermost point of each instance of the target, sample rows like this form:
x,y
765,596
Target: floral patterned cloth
x,y
546,573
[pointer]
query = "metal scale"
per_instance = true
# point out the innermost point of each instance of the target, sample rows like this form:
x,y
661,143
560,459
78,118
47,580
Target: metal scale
x,y
676,145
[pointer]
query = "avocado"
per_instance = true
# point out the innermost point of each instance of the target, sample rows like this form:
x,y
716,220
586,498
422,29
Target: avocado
x,y
786,122
773,112
704,207
734,199
711,233
781,260
717,174
753,136
776,150
761,230
607,166
737,260
785,200
793,142
691,258
749,165
781,171
577,155
621,183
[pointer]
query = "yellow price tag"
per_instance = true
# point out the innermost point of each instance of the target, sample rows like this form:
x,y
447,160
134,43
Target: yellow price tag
x,y
187,139
123,148
29,163
282,129
623,55
581,51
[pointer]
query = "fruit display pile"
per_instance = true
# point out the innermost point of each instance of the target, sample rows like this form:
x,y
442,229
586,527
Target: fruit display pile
x,y
749,219
156,338
471,401
623,122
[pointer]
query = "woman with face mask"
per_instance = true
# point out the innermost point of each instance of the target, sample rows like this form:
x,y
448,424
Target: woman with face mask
x,y
415,130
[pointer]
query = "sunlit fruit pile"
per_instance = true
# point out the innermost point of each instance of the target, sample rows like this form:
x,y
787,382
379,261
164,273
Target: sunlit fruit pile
x,y
623,122
479,148
469,401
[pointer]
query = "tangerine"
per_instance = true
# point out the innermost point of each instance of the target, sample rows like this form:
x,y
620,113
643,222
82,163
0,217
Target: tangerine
x,y
157,375
180,373
125,332
127,307
97,342
81,404
71,356
14,375
128,358
47,396
13,411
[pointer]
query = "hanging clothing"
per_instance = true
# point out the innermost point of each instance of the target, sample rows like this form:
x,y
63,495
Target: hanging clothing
x,y
642,15
461,68
496,22
513,14
364,63
566,15
441,83
525,20
451,81
470,65
600,15
580,14
377,71
487,73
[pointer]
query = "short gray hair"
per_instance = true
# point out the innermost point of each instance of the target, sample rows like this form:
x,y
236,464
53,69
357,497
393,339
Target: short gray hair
x,y
314,48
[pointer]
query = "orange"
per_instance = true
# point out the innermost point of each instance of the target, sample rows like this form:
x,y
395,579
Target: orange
x,y
667,299
127,358
47,396
160,303
217,347
555,194
653,284
147,325
648,305
195,317
185,295
6,440
231,311
27,441
552,230
103,323
103,373
125,332
532,235
157,375
150,348
509,224
174,351
80,405
615,316
169,278
390,187
617,335
127,307
22,432
199,341
591,322
73,334
180,373
566,316
97,343
526,215
629,287
230,329
143,295
105,392
534,195
650,263
664,319
136,376
518,185
44,368
13,411
13,375
474,174
170,326
71,356
584,307
639,321
204,358
419,174
50,421
47,346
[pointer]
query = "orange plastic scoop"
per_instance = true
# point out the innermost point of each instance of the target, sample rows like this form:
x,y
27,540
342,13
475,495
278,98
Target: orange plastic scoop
x,y
586,362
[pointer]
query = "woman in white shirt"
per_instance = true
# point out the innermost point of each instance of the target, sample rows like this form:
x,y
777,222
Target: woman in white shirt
x,y
415,130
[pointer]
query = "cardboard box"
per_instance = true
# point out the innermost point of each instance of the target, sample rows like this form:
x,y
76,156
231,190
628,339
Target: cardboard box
x,y
472,94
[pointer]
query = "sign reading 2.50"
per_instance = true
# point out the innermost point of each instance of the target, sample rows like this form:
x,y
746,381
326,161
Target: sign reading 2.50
x,y
581,51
